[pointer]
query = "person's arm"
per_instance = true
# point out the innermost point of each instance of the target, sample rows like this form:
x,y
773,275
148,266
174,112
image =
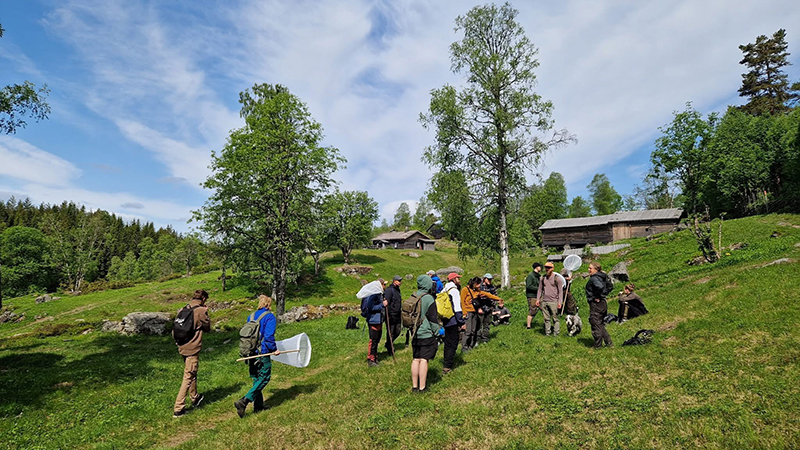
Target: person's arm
x,y
268,324
205,321
489,295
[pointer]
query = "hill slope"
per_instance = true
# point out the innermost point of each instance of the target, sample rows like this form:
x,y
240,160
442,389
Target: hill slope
x,y
721,372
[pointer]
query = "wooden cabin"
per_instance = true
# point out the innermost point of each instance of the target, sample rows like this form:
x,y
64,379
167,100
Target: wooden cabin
x,y
408,240
584,231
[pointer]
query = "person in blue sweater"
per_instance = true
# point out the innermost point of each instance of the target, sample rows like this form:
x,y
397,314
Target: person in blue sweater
x,y
438,286
373,310
260,368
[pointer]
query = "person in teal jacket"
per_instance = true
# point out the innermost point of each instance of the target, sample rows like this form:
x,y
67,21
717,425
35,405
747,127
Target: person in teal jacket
x,y
425,342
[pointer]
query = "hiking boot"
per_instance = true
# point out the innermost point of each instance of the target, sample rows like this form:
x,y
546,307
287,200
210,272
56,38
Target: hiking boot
x,y
414,390
446,370
372,363
241,406
423,391
199,400
179,414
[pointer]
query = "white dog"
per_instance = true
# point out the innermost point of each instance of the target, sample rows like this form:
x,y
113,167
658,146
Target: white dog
x,y
574,324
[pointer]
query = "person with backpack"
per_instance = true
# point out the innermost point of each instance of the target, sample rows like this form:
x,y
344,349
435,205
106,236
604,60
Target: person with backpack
x,y
394,306
455,324
257,337
425,343
532,290
437,282
597,289
550,298
187,330
372,309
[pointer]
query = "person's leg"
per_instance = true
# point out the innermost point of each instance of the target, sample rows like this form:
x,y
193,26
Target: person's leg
x,y
415,373
486,321
596,321
375,332
468,340
603,332
261,373
450,346
423,374
189,379
547,315
532,310
193,385
554,318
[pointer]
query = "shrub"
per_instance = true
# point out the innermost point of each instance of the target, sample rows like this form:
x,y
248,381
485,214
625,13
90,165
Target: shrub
x,y
170,277
103,285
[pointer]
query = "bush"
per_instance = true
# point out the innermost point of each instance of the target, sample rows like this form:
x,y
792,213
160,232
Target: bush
x,y
103,285
206,268
170,277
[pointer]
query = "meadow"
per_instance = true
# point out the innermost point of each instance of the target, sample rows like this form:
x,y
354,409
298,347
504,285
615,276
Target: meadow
x,y
722,370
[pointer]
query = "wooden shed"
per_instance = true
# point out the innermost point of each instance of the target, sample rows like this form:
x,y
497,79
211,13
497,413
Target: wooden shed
x,y
412,239
584,231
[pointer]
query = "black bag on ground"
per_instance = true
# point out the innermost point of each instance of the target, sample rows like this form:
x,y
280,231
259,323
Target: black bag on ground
x,y
642,337
352,323
609,318
183,325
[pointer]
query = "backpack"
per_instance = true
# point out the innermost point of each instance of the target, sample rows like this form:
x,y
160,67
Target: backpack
x,y
183,325
409,313
609,286
365,307
250,336
444,306
352,323
642,337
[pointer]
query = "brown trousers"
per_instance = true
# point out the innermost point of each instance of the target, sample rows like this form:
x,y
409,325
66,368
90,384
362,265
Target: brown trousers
x,y
189,384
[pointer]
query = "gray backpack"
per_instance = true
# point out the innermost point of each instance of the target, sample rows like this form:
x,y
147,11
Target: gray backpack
x,y
250,337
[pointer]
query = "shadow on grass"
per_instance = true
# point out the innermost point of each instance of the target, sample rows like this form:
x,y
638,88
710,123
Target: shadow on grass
x,y
219,393
587,341
290,393
310,285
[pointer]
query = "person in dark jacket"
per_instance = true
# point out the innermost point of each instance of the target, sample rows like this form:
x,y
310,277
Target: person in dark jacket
x,y
191,353
394,305
532,290
598,308
260,368
454,325
630,304
375,305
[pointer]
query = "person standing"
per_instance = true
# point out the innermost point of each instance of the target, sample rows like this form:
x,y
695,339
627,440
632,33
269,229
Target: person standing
x,y
425,343
468,299
374,308
191,353
437,282
532,290
570,307
394,305
454,325
596,291
550,298
487,286
260,368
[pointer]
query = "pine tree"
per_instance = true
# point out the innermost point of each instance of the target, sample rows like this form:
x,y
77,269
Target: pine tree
x,y
766,85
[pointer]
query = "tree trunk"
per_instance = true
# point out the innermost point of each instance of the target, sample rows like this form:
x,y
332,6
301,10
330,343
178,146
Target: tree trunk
x,y
279,283
316,263
223,277
346,255
505,277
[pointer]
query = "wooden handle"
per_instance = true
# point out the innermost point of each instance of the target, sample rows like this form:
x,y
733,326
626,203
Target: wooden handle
x,y
267,354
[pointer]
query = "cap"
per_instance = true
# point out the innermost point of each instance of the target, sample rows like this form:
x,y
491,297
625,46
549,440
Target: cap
x,y
397,278
548,264
431,272
488,275
452,276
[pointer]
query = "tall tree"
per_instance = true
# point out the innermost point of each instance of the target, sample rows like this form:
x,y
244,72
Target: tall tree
x,y
402,217
449,194
18,101
679,153
766,85
265,180
544,202
487,128
579,208
423,215
605,199
24,262
349,216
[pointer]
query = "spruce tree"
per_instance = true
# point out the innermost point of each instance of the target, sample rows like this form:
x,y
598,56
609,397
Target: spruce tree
x,y
766,85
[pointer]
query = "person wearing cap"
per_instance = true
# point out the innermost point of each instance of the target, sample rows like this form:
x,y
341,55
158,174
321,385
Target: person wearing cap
x,y
486,284
437,282
550,298
394,305
488,298
473,301
454,325
424,344
532,290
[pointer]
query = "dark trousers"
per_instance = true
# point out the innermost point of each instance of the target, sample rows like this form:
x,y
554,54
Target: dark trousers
x,y
375,333
484,321
597,312
260,373
629,310
451,336
394,329
470,337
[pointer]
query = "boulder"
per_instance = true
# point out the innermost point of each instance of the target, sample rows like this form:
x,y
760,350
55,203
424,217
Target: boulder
x,y
311,312
151,323
353,270
111,326
620,272
295,314
409,277
411,254
46,298
443,273
11,317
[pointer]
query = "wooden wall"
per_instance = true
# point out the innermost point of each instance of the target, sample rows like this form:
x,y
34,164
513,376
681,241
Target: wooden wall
x,y
577,236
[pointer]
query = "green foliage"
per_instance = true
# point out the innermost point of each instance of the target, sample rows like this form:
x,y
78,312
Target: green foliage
x,y
487,129
766,85
544,202
579,208
24,262
605,199
423,215
449,194
348,217
265,185
18,101
103,285
402,217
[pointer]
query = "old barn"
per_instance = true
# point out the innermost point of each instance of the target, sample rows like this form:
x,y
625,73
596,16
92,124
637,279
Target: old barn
x,y
604,229
412,239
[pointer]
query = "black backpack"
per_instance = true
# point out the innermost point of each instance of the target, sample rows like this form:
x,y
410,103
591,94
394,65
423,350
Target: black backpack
x,y
642,337
609,286
352,323
183,325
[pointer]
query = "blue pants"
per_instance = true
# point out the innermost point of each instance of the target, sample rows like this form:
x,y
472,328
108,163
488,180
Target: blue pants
x,y
260,372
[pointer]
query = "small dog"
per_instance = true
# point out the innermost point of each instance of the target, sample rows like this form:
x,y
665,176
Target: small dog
x,y
574,324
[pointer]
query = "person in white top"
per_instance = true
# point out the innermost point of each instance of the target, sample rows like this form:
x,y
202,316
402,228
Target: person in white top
x,y
454,325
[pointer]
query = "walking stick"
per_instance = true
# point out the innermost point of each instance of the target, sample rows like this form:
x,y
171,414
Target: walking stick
x,y
389,334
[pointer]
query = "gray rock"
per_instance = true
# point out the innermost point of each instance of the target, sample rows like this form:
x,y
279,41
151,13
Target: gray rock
x,y
295,314
443,273
151,323
11,317
44,298
111,326
411,255
409,277
620,272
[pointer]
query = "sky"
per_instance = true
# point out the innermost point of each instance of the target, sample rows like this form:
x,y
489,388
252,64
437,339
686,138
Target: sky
x,y
143,91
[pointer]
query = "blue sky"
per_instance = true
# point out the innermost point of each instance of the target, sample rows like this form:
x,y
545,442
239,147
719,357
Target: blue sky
x,y
143,91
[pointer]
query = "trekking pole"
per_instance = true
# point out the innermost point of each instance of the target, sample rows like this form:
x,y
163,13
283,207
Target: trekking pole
x,y
267,354
564,302
389,334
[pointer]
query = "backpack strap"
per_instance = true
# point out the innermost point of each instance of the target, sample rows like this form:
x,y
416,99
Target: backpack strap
x,y
252,317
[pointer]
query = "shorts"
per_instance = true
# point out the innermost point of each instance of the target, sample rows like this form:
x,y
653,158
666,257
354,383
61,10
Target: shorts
x,y
425,348
532,308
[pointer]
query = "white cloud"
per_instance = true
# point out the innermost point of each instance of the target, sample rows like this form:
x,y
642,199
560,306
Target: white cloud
x,y
23,161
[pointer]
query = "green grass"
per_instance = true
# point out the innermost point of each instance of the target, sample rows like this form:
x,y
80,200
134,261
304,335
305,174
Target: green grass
x,y
721,372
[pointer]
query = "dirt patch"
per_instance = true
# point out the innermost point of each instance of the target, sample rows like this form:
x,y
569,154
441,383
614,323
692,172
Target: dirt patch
x,y
44,319
670,341
669,326
703,280
177,298
777,261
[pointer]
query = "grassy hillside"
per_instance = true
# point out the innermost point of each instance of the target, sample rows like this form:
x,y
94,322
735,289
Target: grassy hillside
x,y
721,372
